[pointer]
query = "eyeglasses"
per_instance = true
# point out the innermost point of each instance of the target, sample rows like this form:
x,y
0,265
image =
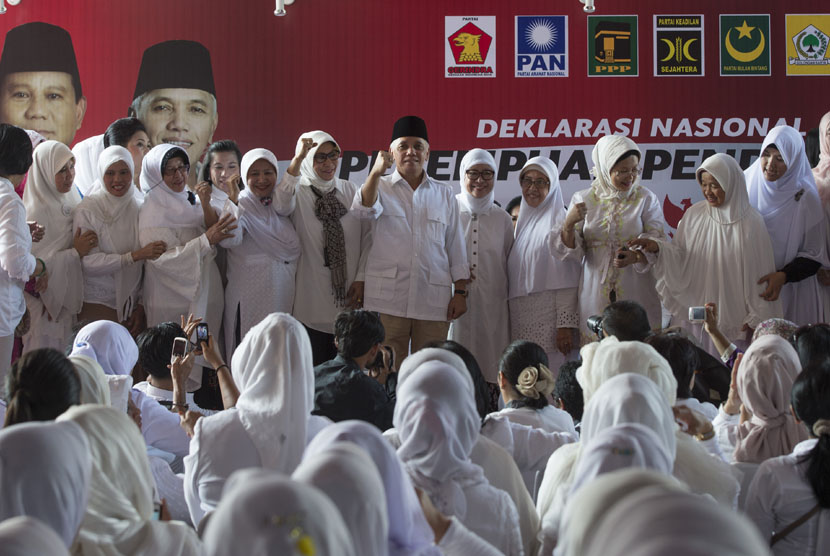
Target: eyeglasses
x,y
184,169
625,173
537,183
322,157
486,175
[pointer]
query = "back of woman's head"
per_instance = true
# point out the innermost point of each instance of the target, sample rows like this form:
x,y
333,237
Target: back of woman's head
x,y
15,150
121,131
42,384
479,384
809,395
524,365
812,342
682,357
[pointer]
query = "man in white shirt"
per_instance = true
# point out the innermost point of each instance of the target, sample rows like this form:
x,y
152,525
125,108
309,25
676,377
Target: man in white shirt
x,y
419,253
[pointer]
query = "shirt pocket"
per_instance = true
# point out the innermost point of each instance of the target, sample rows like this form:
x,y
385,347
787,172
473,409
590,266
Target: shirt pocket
x,y
440,286
436,225
381,280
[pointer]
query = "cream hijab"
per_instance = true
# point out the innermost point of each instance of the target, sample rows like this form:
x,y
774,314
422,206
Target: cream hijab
x,y
43,202
307,174
409,532
436,418
732,243
118,518
45,470
27,536
94,387
606,153
765,379
779,201
530,266
821,173
120,216
348,476
163,207
273,370
468,203
263,512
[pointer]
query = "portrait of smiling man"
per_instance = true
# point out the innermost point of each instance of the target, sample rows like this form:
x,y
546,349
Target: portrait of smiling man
x,y
175,98
40,87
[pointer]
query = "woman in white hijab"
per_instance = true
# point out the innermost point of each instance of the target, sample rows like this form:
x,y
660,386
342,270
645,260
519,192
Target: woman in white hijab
x,y
600,222
267,428
113,268
643,512
94,387
542,295
335,243
782,188
262,259
347,475
184,280
50,198
821,173
45,473
119,515
438,424
719,251
263,512
485,328
27,536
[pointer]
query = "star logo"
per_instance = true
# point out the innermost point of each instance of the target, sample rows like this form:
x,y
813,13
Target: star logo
x,y
744,31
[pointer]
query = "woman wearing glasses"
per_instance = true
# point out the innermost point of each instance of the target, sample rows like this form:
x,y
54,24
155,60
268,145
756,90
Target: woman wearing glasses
x,y
334,242
599,224
488,231
543,291
184,280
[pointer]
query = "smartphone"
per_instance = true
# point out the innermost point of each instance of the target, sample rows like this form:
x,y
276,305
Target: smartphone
x,y
202,333
697,314
179,348
621,255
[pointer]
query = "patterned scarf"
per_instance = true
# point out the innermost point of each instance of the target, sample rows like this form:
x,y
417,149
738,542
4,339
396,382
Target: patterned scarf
x,y
329,211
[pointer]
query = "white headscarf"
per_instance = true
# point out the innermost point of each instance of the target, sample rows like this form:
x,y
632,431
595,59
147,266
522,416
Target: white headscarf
x,y
438,424
424,355
307,174
43,202
469,203
163,207
605,155
108,343
645,513
274,234
94,387
27,536
118,516
821,173
348,476
765,379
263,512
611,357
530,266
777,202
273,370
409,532
45,473
732,243
120,214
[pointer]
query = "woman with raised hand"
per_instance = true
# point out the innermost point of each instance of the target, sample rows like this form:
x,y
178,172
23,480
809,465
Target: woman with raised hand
x,y
50,199
543,291
600,222
262,259
485,328
113,268
782,188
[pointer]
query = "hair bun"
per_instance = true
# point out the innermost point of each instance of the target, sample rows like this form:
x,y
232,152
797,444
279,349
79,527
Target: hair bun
x,y
535,381
821,427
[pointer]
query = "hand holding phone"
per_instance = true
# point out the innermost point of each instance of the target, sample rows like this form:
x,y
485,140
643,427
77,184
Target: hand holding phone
x,y
202,333
179,349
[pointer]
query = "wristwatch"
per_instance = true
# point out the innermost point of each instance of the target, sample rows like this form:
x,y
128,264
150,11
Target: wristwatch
x,y
462,293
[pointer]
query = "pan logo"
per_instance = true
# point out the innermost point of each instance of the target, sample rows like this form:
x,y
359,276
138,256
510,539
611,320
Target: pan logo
x,y
541,46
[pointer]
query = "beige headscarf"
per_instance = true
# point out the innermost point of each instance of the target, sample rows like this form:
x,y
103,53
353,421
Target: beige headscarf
x,y
606,153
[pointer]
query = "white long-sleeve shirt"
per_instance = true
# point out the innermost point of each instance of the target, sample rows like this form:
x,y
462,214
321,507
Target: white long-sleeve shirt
x,y
779,495
16,260
418,249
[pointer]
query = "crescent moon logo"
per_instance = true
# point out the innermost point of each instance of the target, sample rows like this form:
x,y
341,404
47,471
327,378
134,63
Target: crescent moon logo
x,y
686,50
671,50
745,56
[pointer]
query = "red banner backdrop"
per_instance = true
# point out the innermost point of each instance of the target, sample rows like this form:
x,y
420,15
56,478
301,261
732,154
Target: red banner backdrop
x,y
353,67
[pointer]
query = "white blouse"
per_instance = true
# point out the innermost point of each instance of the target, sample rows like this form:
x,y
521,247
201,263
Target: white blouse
x,y
16,260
